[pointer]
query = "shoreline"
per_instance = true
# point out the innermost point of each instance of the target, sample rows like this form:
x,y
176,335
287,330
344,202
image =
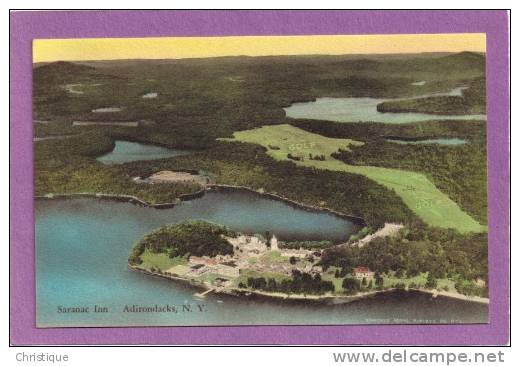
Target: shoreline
x,y
357,219
198,194
240,292
329,299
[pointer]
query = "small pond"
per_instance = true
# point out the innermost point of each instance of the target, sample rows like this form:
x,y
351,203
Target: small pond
x,y
439,141
150,95
107,110
126,151
54,137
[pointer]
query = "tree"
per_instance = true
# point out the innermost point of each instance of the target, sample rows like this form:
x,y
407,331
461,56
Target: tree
x,y
257,283
351,285
364,282
431,282
172,253
271,285
400,286
268,239
378,280
292,260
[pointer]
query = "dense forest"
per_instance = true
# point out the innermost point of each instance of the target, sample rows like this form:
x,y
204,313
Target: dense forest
x,y
416,249
194,237
472,101
299,283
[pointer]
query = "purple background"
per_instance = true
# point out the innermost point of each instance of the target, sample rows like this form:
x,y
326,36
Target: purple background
x,y
26,26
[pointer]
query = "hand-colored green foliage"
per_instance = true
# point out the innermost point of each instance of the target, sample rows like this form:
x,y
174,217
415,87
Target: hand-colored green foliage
x,y
417,192
198,238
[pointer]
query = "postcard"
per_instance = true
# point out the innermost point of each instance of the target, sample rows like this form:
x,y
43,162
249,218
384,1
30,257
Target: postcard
x,y
312,180
261,180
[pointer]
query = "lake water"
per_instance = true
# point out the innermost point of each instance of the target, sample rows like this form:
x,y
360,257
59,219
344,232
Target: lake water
x,y
365,110
447,141
126,151
82,246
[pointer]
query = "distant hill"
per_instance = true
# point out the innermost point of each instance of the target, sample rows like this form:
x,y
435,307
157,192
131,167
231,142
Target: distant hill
x,y
63,66
471,60
61,71
358,64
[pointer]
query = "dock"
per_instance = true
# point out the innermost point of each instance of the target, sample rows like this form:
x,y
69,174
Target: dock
x,y
203,294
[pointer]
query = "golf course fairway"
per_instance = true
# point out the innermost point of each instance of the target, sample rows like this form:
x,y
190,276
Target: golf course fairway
x,y
417,192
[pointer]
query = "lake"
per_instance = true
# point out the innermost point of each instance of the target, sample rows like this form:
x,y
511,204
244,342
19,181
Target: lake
x,y
439,141
126,151
365,110
82,246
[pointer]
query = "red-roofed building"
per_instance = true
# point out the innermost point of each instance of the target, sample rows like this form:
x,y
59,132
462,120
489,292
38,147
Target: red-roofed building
x,y
363,272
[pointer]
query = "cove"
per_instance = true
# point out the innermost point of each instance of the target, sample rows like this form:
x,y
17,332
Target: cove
x,y
365,110
126,151
82,246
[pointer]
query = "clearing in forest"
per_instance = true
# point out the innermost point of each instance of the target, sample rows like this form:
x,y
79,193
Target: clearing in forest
x,y
286,142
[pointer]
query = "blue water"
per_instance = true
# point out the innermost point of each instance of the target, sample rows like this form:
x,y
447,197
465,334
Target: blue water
x,y
82,246
365,110
126,151
448,142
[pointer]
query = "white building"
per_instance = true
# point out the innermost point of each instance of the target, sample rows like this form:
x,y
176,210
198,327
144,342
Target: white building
x,y
297,253
274,243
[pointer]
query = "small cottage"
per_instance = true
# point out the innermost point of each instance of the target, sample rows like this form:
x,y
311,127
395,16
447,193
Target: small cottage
x,y
363,272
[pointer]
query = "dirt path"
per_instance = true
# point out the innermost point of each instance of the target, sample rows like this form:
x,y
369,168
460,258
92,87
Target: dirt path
x,y
389,229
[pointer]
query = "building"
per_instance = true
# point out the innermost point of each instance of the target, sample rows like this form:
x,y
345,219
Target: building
x,y
254,245
274,243
202,260
297,253
363,272
480,282
227,270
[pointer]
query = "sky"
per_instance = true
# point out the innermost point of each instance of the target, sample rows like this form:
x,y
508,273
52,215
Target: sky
x,y
83,49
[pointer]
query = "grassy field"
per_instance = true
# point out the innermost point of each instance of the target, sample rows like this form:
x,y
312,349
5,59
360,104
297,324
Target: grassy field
x,y
337,281
246,273
160,260
390,281
419,280
417,192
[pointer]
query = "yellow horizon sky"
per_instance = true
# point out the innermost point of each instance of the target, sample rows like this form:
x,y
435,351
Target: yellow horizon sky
x,y
90,49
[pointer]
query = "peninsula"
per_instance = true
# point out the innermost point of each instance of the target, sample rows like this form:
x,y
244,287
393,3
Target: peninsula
x,y
217,259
